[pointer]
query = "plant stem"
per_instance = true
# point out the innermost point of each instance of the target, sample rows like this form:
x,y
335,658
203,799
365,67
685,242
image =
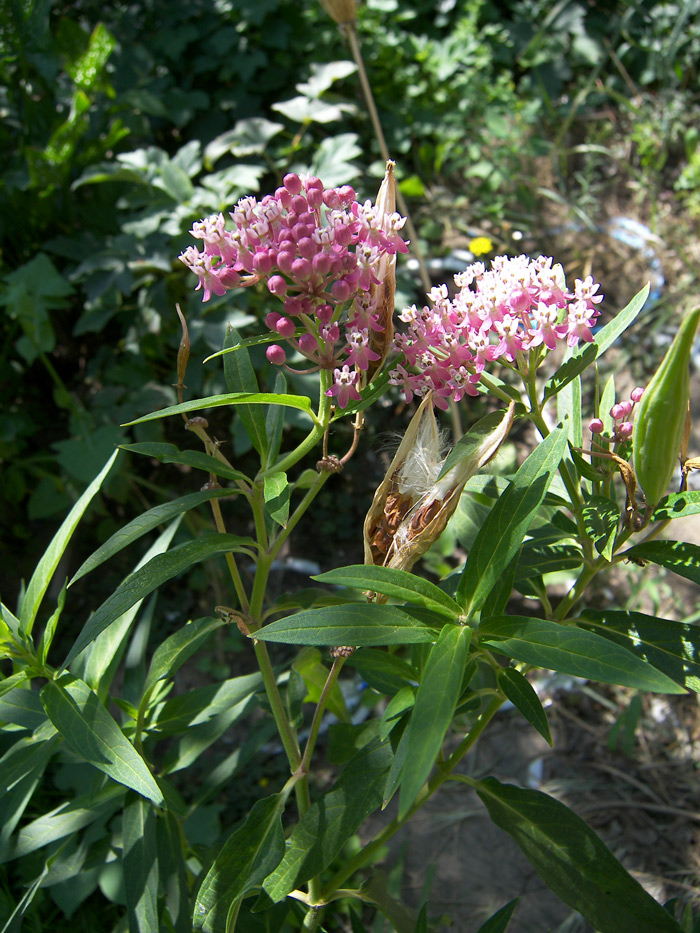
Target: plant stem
x,y
230,559
319,711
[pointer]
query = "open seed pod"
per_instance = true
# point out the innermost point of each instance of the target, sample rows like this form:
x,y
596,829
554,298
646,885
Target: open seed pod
x,y
421,490
383,294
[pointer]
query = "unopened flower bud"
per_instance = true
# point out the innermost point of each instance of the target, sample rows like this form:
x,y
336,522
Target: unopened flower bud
x,y
275,354
624,430
596,426
636,394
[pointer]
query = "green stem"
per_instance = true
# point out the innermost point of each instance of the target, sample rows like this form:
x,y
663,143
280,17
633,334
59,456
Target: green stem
x,y
319,711
230,559
438,779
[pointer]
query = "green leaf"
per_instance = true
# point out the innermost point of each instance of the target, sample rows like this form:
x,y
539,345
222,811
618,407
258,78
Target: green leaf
x,y
276,492
587,353
677,505
47,565
435,704
93,735
601,518
240,377
503,530
573,861
572,651
498,922
472,445
27,756
67,819
385,672
274,424
671,647
161,568
310,666
171,654
300,402
173,867
331,821
679,556
197,459
397,583
140,866
50,629
248,856
357,625
142,524
569,410
184,712
521,694
397,706
536,559
21,706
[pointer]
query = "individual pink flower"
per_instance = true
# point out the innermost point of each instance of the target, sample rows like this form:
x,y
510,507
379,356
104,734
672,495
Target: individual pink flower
x,y
344,386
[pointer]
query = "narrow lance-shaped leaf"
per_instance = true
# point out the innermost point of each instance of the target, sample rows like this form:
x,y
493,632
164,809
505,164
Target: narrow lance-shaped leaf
x,y
197,459
601,518
276,493
274,422
498,922
435,704
240,377
161,568
392,582
248,856
573,861
677,505
171,654
93,735
300,402
672,647
521,694
502,533
681,557
144,523
140,866
573,651
47,565
359,625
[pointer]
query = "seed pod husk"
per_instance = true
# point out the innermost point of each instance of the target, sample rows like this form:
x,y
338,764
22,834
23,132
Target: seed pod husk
x,y
384,293
660,418
421,490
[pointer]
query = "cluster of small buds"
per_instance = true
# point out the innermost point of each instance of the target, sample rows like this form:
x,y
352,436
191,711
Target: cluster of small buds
x,y
499,313
621,413
318,250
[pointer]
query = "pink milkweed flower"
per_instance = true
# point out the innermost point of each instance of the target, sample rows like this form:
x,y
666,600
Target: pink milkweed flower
x,y
596,426
344,387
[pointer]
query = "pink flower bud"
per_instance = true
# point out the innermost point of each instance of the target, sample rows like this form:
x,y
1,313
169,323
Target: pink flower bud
x,y
271,319
285,261
284,197
636,394
292,183
307,248
321,263
340,290
324,313
596,426
263,261
299,204
307,344
277,285
617,412
285,327
292,306
624,430
301,268
275,354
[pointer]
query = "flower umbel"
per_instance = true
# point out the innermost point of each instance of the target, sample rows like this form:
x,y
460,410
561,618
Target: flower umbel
x,y
499,313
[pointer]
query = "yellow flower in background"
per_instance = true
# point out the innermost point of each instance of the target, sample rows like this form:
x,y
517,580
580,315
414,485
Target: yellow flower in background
x,y
480,245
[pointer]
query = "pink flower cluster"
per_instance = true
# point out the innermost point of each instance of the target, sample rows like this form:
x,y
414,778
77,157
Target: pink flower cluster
x,y
497,314
621,413
316,249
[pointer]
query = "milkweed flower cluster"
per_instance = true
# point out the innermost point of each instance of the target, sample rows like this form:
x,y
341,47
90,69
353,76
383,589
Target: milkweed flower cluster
x,y
499,313
321,253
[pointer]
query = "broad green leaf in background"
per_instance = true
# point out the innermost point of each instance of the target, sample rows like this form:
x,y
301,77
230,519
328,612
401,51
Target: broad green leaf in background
x,y
331,821
571,650
522,695
197,459
498,922
140,866
385,672
679,556
672,647
573,861
159,569
142,524
399,704
274,422
93,735
300,402
601,518
677,505
607,400
357,625
248,856
536,559
240,377
22,707
569,410
588,352
173,867
182,713
276,492
503,530
47,565
391,582
432,714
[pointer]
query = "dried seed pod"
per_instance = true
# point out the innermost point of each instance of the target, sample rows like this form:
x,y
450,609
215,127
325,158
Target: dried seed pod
x,y
421,490
342,11
661,416
383,294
